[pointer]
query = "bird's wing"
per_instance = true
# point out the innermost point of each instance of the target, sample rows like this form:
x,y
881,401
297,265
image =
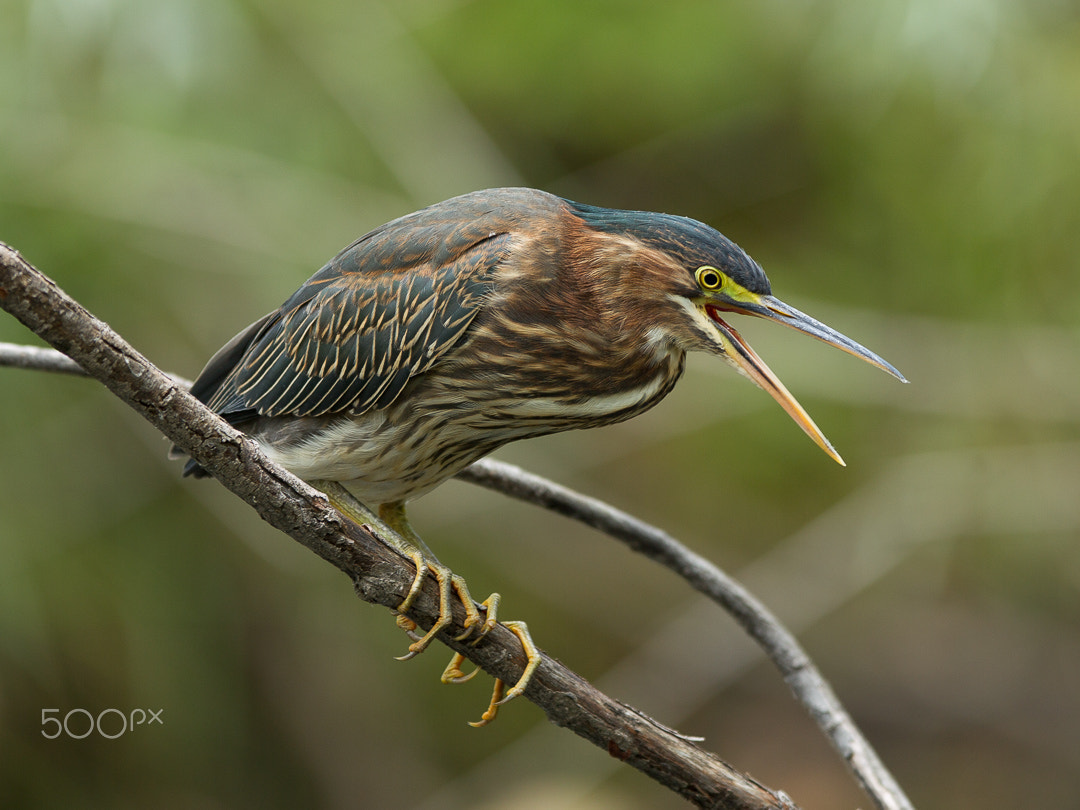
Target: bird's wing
x,y
382,311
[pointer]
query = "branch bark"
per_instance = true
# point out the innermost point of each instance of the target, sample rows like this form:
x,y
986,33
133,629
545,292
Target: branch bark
x,y
380,575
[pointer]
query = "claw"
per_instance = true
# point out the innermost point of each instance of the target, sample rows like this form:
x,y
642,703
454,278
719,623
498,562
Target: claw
x,y
453,673
493,707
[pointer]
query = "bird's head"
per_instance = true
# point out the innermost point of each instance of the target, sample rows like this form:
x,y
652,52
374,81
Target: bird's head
x,y
696,278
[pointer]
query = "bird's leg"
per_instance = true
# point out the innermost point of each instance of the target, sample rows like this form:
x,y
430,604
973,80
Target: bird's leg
x,y
393,514
346,503
395,529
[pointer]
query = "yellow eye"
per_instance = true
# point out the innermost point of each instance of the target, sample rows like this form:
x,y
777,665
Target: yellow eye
x,y
709,278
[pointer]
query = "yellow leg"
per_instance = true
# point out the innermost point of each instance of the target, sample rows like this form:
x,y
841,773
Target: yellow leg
x,y
394,527
393,514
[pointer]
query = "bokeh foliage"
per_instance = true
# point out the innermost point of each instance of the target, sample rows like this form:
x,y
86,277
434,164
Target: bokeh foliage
x,y
907,170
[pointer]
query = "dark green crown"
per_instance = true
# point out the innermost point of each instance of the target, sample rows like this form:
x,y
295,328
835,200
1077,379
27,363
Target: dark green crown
x,y
691,242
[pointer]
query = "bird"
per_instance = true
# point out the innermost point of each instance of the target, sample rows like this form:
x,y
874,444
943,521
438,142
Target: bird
x,y
491,317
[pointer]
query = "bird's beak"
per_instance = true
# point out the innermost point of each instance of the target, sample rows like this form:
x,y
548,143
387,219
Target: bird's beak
x,y
746,360
773,309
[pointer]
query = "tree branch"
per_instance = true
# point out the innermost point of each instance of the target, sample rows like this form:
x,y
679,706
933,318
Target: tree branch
x,y
380,574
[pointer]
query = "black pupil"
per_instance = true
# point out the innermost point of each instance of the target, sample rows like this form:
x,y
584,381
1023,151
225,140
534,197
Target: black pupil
x,y
711,279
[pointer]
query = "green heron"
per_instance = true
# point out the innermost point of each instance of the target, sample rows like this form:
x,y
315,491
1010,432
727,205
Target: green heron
x,y
495,316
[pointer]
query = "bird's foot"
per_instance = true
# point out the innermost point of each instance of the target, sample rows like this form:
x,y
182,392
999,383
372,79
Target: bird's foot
x,y
395,530
448,581
453,672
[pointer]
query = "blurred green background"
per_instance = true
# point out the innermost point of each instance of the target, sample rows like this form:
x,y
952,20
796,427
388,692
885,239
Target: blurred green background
x,y
906,170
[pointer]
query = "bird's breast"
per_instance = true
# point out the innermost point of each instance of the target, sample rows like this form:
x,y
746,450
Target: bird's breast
x,y
521,394
587,409
445,420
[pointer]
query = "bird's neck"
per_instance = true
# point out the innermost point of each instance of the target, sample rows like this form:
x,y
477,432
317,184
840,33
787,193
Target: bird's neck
x,y
576,343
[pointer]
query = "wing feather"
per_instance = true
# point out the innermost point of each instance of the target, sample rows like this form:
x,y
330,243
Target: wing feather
x,y
384,310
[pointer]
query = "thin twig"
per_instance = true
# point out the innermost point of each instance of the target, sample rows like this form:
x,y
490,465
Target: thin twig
x,y
41,358
380,574
38,357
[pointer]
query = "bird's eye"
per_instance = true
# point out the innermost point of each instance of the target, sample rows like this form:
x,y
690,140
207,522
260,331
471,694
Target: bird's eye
x,y
709,278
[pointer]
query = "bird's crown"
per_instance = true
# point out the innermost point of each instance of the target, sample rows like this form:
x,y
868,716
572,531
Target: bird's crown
x,y
693,244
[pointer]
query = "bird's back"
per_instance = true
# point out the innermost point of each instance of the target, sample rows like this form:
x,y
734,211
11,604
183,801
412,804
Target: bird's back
x,y
386,309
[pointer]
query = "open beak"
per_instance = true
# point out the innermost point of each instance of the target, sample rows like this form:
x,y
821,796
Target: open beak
x,y
746,360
